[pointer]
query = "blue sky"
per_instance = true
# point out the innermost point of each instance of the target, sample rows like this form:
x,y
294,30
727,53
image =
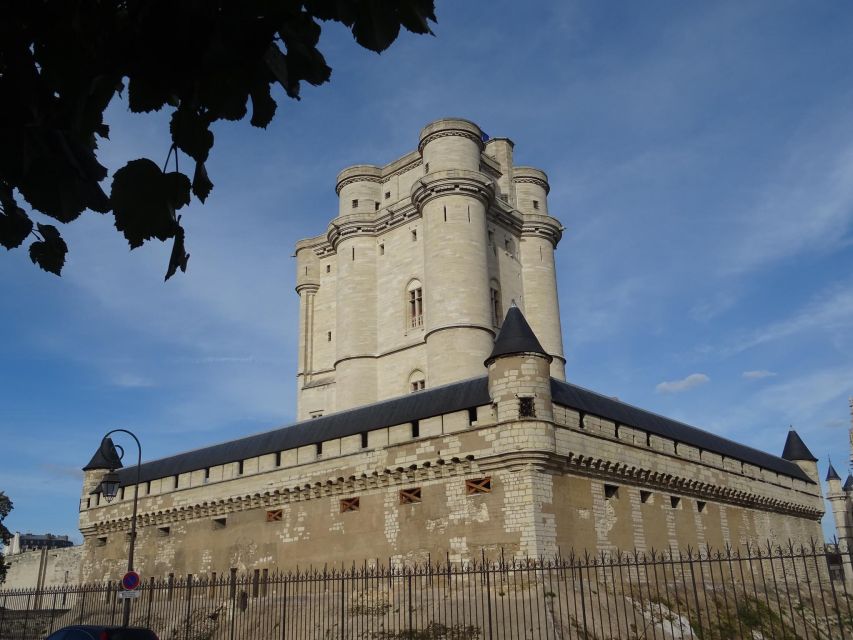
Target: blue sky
x,y
700,157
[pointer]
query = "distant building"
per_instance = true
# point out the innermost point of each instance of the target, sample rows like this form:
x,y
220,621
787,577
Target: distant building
x,y
436,419
33,542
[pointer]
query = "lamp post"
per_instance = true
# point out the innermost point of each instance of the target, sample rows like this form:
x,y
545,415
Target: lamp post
x,y
109,489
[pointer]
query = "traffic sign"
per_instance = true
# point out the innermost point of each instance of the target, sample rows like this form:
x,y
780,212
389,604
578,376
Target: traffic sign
x,y
130,581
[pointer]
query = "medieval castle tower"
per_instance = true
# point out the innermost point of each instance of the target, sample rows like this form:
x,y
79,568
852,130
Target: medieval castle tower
x,y
434,414
408,285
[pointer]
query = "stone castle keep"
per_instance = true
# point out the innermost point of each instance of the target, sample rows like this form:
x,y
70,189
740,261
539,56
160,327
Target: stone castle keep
x,y
434,412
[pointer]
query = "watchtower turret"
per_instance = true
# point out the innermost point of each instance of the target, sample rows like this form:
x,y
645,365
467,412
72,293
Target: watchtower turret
x,y
519,372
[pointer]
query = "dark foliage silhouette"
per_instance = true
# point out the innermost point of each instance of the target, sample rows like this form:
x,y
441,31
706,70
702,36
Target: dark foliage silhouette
x,y
61,63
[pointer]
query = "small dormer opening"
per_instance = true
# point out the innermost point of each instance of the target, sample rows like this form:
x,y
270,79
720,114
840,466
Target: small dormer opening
x,y
526,408
355,204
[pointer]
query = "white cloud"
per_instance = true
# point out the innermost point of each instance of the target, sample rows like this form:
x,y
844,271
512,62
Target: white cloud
x,y
809,208
677,386
757,374
131,381
832,310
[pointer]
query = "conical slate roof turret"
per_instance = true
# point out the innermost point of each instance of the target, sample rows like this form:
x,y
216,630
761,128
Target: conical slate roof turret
x,y
848,484
796,449
832,474
106,457
516,337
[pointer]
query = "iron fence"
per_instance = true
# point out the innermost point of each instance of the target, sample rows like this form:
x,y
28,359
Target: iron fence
x,y
783,593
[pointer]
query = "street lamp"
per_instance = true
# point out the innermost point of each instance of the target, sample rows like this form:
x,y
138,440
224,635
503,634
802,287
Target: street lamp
x,y
109,489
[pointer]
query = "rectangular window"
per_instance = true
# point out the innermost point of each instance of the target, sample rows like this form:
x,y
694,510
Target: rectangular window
x,y
349,504
278,458
376,206
163,531
274,515
121,494
318,448
497,312
611,491
206,474
416,307
102,541
382,249
645,496
674,502
410,496
328,268
148,488
414,235
535,204
526,408
219,523
240,468
175,482
387,195
478,485
328,336
700,506
355,204
364,439
472,416
418,385
416,429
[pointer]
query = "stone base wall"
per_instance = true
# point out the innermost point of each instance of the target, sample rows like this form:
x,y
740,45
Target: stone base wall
x,y
44,568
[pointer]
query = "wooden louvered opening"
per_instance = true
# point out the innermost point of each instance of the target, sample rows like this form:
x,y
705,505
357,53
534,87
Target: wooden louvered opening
x,y
349,504
478,485
410,496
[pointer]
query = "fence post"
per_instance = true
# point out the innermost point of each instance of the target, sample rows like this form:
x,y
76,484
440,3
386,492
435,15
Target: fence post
x,y
488,594
26,617
82,602
150,598
233,595
695,591
409,587
3,613
189,603
343,603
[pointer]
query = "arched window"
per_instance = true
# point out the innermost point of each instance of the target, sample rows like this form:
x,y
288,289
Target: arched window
x,y
417,381
495,298
414,305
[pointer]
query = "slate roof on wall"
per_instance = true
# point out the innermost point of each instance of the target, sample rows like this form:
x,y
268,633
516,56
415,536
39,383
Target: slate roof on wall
x,y
439,400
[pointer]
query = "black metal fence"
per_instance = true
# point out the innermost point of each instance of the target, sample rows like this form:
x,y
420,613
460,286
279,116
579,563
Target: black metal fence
x,y
781,593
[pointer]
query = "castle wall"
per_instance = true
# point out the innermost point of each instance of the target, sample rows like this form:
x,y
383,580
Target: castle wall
x,y
550,491
43,568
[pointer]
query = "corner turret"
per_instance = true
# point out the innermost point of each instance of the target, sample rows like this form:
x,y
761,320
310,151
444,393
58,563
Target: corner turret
x,y
797,452
104,460
519,372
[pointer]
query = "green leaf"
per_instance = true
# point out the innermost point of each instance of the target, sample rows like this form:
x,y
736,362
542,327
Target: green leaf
x,y
15,225
263,105
416,14
179,257
144,200
191,132
177,187
201,183
49,253
376,25
143,95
